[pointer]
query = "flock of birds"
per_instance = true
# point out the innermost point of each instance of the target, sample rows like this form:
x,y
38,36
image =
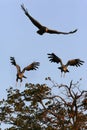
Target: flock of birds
x,y
52,57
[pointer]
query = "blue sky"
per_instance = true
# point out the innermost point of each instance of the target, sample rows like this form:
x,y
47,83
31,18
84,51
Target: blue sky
x,y
18,38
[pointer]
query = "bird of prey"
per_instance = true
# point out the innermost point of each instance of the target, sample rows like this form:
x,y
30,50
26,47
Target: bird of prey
x,y
20,74
64,68
43,29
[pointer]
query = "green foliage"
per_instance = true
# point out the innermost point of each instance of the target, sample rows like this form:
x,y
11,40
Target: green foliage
x,y
37,108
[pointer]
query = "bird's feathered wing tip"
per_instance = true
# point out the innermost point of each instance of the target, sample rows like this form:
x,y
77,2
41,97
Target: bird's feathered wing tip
x,y
73,31
35,65
53,58
23,8
75,62
13,61
32,66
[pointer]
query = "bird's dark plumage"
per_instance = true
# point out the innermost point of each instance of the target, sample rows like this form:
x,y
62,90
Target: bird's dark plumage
x,y
20,74
64,68
43,29
14,63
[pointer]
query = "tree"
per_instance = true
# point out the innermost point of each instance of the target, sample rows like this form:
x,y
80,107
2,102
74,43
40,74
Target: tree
x,y
37,108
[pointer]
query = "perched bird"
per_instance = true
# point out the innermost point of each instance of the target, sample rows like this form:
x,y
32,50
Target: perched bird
x,y
43,29
20,74
64,68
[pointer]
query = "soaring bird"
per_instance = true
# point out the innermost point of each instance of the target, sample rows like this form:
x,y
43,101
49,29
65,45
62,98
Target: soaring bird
x,y
64,68
43,29
20,74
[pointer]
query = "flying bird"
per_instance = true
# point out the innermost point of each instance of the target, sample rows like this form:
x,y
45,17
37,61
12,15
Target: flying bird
x,y
43,29
64,68
20,74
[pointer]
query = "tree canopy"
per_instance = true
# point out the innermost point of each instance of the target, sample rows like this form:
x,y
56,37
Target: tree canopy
x,y
37,108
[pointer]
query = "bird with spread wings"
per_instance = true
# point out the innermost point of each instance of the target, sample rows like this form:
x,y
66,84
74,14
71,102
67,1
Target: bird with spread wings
x,y
20,74
43,29
64,68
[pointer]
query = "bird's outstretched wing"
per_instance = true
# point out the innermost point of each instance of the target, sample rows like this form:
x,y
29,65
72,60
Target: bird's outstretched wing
x,y
14,63
34,21
59,32
75,62
32,66
54,58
